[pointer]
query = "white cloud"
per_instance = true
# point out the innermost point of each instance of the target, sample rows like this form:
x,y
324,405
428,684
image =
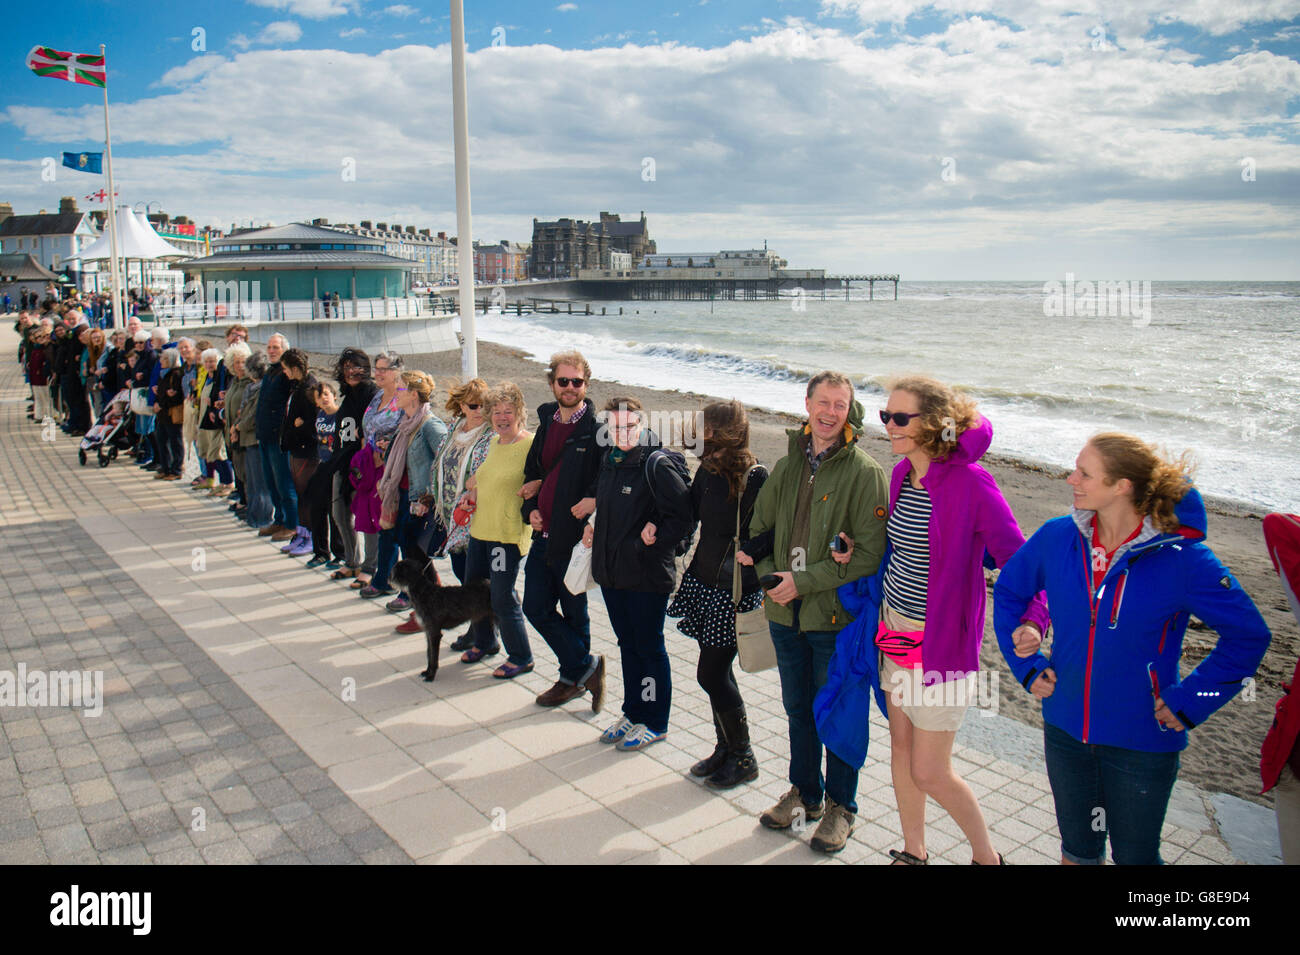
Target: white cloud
x,y
280,31
351,32
567,7
831,149
310,9
400,10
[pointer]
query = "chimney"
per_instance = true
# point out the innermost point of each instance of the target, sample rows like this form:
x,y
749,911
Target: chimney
x,y
323,222
381,226
442,235
365,224
424,232
6,210
411,229
68,204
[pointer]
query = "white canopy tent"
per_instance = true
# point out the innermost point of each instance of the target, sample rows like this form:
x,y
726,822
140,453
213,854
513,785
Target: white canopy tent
x,y
136,239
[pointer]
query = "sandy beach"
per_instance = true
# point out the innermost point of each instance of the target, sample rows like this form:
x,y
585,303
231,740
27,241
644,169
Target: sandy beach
x,y
1223,754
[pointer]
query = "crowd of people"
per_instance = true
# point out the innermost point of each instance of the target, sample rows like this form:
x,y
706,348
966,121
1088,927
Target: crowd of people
x,y
873,585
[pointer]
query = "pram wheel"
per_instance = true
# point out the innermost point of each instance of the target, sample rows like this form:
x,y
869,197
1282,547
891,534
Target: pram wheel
x,y
81,457
105,458
112,454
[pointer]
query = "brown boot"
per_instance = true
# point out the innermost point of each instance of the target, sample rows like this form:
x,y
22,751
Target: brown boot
x,y
596,684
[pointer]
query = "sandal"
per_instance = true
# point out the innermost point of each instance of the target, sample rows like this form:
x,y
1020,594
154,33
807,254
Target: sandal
x,y
906,858
474,654
508,671
343,573
359,582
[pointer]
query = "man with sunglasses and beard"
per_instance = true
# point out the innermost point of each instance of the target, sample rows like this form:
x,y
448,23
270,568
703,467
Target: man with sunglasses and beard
x,y
559,495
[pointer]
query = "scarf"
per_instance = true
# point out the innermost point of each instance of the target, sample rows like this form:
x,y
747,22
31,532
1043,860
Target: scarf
x,y
395,465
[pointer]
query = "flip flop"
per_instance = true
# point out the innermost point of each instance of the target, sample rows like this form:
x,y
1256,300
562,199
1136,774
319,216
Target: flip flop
x,y
474,654
907,858
508,671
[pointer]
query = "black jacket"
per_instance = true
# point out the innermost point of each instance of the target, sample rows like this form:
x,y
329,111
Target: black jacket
x,y
715,511
624,505
274,398
576,477
352,409
300,440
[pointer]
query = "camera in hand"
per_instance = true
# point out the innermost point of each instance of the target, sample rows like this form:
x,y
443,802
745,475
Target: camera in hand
x,y
839,544
768,581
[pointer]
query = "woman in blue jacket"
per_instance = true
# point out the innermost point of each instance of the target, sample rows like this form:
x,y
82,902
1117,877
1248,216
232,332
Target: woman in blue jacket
x,y
1123,573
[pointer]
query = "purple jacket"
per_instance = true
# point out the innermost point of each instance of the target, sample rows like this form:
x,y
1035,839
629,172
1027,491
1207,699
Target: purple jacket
x,y
968,517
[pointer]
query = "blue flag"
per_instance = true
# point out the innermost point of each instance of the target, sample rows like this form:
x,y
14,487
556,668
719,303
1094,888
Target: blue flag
x,y
85,162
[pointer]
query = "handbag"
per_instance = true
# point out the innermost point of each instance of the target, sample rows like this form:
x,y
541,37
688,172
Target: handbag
x,y
140,401
177,414
753,636
577,577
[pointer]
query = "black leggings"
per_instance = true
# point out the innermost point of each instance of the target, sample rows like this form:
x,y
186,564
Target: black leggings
x,y
716,678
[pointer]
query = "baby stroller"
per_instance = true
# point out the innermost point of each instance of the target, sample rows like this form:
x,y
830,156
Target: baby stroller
x,y
111,433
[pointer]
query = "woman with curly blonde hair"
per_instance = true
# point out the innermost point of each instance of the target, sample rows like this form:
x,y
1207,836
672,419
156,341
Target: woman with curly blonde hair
x,y
945,514
1124,572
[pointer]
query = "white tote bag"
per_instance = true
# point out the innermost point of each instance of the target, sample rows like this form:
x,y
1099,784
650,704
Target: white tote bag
x,y
577,578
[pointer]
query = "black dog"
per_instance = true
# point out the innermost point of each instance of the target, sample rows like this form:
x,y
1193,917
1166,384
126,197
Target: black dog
x,y
441,608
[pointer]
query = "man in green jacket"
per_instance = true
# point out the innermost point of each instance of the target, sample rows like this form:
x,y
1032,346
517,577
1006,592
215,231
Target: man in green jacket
x,y
824,487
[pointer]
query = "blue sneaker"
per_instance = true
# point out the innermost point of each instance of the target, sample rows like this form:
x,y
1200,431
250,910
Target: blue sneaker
x,y
617,731
639,737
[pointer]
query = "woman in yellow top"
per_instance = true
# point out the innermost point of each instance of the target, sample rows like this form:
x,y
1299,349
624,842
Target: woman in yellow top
x,y
499,538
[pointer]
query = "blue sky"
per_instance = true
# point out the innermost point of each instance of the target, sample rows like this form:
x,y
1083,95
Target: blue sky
x,y
943,140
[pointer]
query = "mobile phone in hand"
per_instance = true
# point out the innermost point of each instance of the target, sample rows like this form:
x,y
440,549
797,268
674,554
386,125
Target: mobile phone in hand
x,y
768,581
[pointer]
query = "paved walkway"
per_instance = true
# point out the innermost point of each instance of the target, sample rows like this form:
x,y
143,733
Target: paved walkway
x,y
272,706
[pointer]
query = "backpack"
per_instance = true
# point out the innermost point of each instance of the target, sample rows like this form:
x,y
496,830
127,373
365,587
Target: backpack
x,y
677,461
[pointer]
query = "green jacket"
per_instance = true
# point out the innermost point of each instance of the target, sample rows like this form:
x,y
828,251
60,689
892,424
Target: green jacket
x,y
850,494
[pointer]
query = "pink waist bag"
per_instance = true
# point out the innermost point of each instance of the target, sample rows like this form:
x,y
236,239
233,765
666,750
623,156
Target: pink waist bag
x,y
901,646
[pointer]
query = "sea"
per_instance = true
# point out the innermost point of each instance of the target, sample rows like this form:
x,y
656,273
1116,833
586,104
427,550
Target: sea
x,y
1210,367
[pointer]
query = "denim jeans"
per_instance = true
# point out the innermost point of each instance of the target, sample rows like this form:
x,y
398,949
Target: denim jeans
x,y
259,498
499,564
1107,790
279,484
567,632
638,621
389,538
802,659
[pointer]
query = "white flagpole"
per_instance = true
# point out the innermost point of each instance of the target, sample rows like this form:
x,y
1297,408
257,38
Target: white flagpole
x,y
464,227
119,301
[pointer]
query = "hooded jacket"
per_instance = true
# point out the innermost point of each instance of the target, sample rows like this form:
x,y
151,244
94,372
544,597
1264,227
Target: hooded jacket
x,y
970,523
1115,649
625,503
849,494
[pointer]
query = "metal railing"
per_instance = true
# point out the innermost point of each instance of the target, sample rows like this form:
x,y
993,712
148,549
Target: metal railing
x,y
256,312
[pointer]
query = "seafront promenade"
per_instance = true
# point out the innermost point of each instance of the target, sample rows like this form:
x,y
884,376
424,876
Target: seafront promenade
x,y
254,711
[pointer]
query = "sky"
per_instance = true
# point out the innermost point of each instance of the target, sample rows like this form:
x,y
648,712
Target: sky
x,y
959,139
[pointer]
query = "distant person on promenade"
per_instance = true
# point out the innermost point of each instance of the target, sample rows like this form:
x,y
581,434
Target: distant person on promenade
x,y
559,494
723,493
925,605
1123,573
272,401
826,485
643,509
1279,765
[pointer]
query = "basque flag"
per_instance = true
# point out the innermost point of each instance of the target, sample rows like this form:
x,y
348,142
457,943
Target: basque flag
x,y
85,68
84,162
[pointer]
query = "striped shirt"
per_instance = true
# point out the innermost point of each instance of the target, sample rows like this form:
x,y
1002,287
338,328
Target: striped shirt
x,y
908,573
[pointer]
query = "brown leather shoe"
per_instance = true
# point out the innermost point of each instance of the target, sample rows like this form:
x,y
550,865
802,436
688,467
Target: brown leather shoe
x,y
283,534
561,693
410,625
596,684
268,530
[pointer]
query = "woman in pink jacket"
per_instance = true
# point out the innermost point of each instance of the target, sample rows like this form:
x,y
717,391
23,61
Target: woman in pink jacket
x,y
947,518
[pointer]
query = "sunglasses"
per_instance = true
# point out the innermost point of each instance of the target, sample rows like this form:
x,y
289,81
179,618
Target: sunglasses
x,y
565,382
473,407
900,418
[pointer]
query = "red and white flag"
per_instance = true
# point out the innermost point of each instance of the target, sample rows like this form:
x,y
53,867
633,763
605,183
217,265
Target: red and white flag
x,y
85,68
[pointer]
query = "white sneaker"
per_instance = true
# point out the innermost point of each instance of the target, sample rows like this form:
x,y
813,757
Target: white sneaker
x,y
639,737
618,730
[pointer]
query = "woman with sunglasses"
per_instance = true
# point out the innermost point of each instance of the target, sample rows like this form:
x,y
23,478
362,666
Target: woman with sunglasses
x,y
945,513
460,455
1123,574
378,424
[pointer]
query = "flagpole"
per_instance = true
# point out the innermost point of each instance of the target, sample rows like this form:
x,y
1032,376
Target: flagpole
x,y
119,302
465,243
